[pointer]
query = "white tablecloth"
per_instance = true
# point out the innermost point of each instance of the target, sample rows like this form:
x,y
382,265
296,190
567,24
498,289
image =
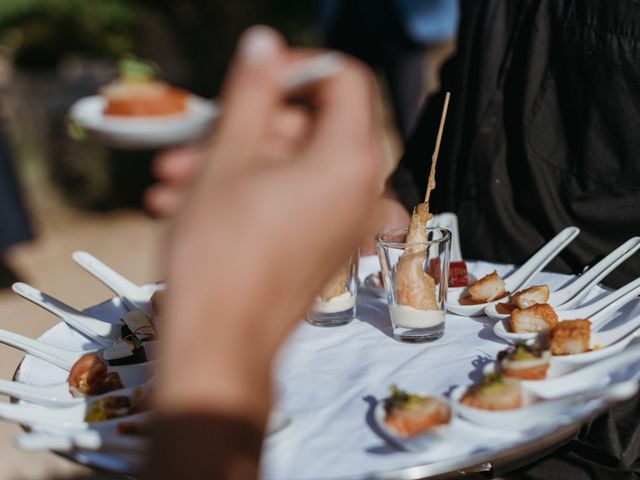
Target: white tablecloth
x,y
327,379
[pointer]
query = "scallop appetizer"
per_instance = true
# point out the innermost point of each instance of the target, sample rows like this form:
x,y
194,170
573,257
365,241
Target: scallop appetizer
x,y
570,337
534,319
526,362
409,414
525,298
489,288
494,392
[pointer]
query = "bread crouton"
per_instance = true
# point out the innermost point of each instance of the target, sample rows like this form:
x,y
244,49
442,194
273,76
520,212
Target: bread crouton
x,y
487,289
534,319
530,296
570,337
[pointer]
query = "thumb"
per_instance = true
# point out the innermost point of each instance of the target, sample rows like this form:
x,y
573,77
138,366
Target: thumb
x,y
251,93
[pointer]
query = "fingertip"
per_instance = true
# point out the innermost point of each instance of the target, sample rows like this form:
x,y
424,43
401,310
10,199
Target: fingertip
x,y
178,166
259,44
251,92
161,201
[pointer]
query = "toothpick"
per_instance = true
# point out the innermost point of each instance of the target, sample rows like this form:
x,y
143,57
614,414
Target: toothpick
x,y
434,158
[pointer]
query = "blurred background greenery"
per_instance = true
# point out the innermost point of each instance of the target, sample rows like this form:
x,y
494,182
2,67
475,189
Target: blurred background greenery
x,y
53,52
41,32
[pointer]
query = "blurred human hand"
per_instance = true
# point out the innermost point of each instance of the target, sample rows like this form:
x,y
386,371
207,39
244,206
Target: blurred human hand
x,y
176,169
262,229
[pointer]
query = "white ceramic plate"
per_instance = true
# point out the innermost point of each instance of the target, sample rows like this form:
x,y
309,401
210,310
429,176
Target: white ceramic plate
x,y
144,132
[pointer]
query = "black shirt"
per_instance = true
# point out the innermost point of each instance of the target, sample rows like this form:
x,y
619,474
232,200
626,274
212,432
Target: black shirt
x,y
543,131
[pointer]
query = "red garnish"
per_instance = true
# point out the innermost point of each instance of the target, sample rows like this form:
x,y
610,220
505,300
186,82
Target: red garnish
x,y
458,276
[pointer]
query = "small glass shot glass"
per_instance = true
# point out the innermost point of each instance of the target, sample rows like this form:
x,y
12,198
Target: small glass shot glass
x,y
336,303
413,324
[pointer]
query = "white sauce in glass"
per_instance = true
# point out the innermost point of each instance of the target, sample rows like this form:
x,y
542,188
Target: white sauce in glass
x,y
339,303
409,317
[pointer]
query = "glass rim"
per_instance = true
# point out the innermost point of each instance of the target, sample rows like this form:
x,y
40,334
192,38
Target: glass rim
x,y
446,235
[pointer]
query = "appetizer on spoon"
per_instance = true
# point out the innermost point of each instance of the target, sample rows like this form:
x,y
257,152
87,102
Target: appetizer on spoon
x,y
78,361
570,375
504,403
107,407
571,295
411,421
525,324
63,419
57,396
472,301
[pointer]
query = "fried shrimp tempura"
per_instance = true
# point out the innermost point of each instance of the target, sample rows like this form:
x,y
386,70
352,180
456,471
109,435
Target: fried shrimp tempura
x,y
415,287
336,286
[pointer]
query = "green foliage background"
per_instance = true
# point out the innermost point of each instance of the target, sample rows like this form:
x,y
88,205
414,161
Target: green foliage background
x,y
39,32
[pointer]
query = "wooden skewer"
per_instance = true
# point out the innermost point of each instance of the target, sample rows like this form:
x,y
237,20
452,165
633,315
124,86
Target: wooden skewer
x,y
434,158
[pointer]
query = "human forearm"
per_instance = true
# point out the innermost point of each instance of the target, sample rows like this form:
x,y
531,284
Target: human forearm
x,y
257,235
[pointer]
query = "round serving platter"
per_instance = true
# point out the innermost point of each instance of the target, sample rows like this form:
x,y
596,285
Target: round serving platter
x,y
329,381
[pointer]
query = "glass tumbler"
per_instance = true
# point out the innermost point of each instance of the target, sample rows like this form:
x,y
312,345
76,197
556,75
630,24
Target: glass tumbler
x,y
336,304
416,277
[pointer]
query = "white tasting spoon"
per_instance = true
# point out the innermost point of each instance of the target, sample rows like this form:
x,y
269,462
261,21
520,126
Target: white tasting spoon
x,y
581,377
62,419
104,333
519,277
132,295
536,410
57,396
571,295
420,442
57,356
572,373
129,374
449,221
602,346
71,414
597,312
84,440
105,441
61,357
